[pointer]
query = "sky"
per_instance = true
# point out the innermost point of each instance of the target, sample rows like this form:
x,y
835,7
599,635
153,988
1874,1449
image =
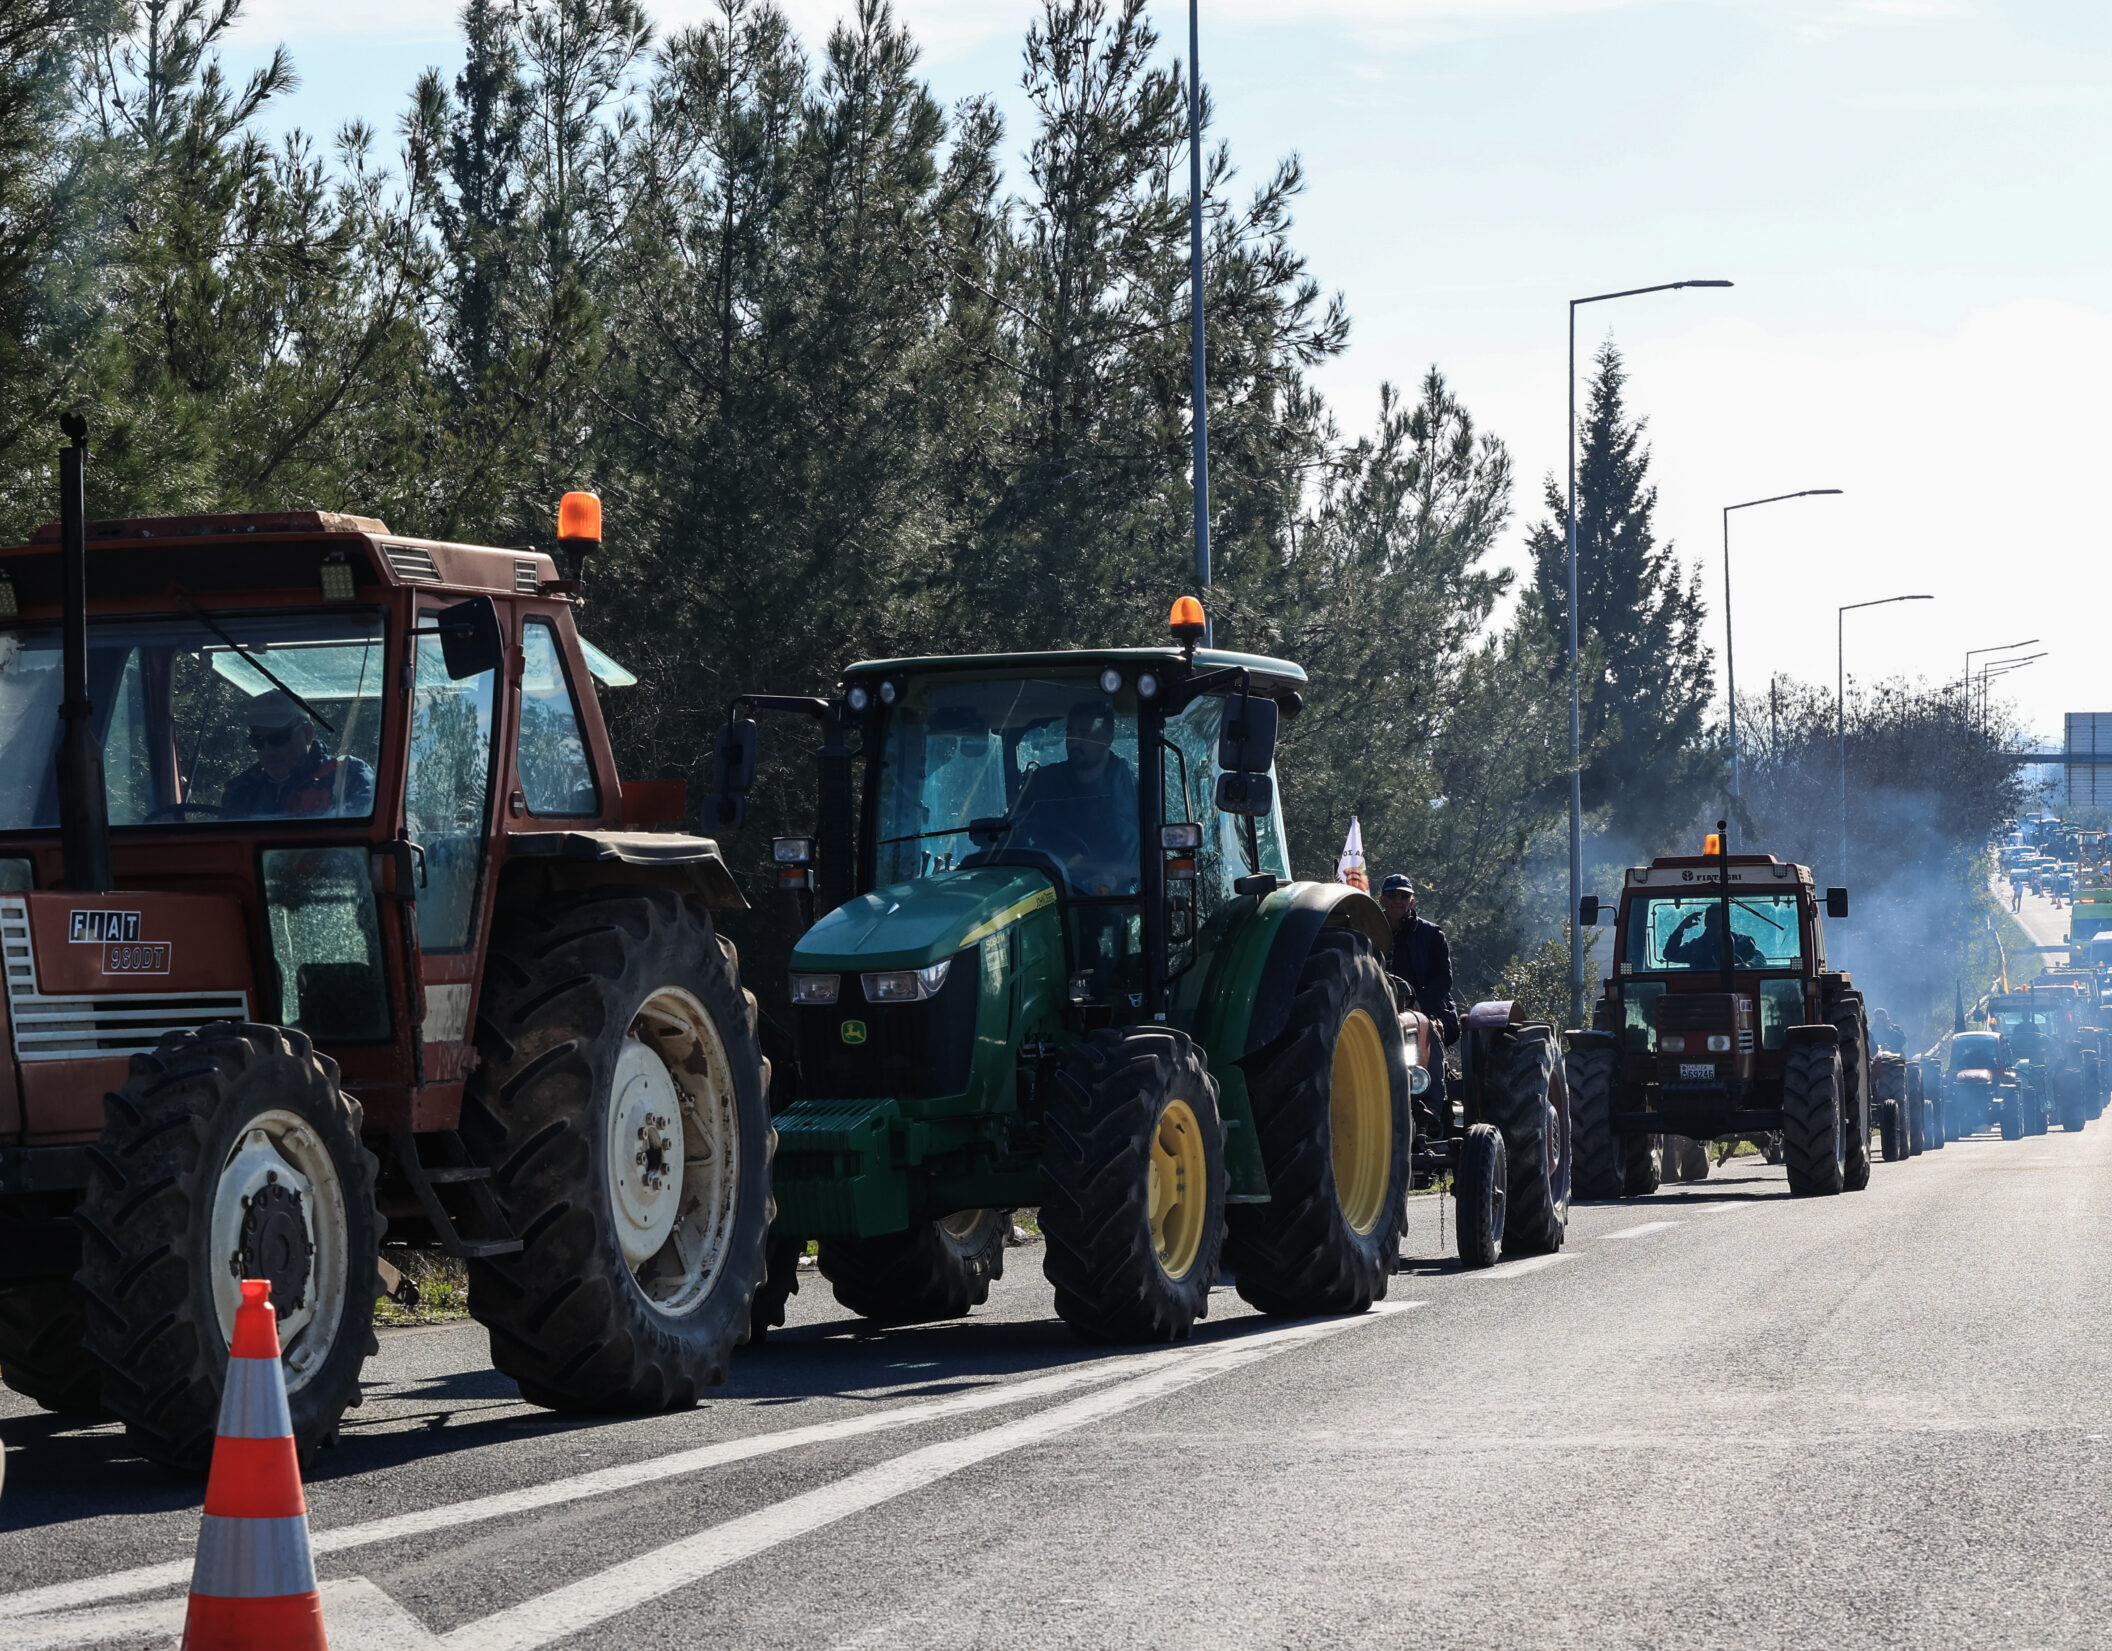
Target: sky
x,y
1910,195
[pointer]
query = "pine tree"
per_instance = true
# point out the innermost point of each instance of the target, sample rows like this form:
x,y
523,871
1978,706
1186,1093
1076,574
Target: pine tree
x,y
1650,760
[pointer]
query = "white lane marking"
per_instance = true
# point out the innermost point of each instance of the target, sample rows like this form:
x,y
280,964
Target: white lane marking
x,y
593,1600
357,1616
1518,1269
1638,1232
601,1481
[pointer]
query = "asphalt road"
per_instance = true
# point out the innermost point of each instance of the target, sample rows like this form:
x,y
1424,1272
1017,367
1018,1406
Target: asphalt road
x,y
1720,1418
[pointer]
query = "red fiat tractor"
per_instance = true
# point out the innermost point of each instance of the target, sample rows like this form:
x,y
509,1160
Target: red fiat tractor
x,y
326,918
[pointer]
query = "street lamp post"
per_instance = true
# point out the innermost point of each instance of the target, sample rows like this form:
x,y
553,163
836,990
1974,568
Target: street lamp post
x,y
1840,700
1576,725
1967,682
1195,319
1730,670
2002,667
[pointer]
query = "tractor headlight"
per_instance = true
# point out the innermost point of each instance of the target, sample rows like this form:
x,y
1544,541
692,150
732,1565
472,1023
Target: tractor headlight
x,y
1719,1043
1110,681
858,698
1148,686
815,988
1672,1044
1418,1079
887,693
906,985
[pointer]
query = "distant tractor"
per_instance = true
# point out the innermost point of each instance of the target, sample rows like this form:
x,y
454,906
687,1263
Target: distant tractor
x,y
2055,1055
1711,1042
326,917
1062,962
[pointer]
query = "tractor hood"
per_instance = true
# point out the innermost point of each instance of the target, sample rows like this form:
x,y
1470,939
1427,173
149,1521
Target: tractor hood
x,y
911,925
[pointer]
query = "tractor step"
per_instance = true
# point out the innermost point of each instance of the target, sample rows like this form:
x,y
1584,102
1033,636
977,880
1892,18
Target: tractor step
x,y
477,1210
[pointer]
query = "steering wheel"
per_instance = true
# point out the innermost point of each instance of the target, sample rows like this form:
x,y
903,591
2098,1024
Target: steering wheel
x,y
178,810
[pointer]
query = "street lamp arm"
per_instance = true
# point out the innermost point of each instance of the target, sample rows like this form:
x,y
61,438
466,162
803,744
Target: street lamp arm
x,y
1777,498
1882,601
1637,292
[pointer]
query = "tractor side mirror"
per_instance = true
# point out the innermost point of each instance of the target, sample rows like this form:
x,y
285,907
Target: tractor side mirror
x,y
471,642
1836,902
1587,910
1248,743
733,766
1245,793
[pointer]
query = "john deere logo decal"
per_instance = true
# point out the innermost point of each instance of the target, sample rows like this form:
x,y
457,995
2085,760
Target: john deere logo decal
x,y
854,1031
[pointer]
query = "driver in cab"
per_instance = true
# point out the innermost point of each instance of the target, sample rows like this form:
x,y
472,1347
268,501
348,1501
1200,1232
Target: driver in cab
x,y
1698,944
293,774
1083,810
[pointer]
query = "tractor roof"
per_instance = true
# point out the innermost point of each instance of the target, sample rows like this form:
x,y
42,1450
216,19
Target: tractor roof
x,y
1687,870
140,558
1268,673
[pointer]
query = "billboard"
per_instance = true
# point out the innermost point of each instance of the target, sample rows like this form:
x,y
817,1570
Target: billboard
x,y
2087,750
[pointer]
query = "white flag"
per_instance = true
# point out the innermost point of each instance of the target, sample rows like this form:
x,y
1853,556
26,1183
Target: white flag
x,y
1352,851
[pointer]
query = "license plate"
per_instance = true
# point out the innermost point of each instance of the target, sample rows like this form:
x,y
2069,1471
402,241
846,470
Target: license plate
x,y
1697,1069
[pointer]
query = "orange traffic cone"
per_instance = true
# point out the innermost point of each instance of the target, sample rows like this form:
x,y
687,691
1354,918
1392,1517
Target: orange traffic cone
x,y
254,1584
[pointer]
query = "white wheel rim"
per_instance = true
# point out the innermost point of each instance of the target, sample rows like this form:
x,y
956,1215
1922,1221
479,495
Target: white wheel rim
x,y
673,1152
281,1149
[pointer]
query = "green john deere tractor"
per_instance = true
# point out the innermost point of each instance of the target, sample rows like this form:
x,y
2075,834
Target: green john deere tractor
x,y
1062,963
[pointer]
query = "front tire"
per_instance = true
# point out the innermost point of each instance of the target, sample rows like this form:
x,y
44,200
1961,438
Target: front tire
x,y
1642,1164
1479,1190
1813,1127
1331,1115
1523,1097
2068,1088
935,1270
42,1355
1589,1077
620,1105
230,1153
1133,1167
1855,1092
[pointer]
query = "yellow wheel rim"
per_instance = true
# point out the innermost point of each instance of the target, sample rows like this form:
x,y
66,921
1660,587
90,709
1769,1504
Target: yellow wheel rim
x,y
1360,1120
1179,1189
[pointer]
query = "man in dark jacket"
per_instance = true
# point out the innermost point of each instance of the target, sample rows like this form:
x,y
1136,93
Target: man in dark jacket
x,y
1421,958
1420,955
294,775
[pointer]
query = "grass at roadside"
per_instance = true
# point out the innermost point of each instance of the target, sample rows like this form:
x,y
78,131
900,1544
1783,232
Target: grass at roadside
x,y
443,1289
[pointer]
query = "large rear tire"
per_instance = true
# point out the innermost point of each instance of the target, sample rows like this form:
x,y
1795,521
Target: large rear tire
x,y
1332,1118
936,1270
230,1153
2013,1115
1917,1113
1524,1097
1589,1074
1133,1170
42,1356
620,1104
1814,1149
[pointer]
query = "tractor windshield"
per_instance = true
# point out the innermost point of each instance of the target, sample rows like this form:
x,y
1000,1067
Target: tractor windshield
x,y
1974,1051
1682,932
202,717
1047,764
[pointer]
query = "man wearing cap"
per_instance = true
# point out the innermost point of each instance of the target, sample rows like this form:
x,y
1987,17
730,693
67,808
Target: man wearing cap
x,y
1420,955
293,774
1083,810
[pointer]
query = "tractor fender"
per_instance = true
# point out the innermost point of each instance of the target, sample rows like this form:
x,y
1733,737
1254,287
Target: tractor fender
x,y
1240,1001
545,860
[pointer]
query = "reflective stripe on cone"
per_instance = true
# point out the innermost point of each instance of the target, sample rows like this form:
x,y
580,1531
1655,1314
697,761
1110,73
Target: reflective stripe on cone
x,y
253,1586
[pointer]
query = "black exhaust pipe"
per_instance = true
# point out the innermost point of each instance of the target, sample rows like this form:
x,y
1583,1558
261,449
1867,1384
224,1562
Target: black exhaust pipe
x,y
84,806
